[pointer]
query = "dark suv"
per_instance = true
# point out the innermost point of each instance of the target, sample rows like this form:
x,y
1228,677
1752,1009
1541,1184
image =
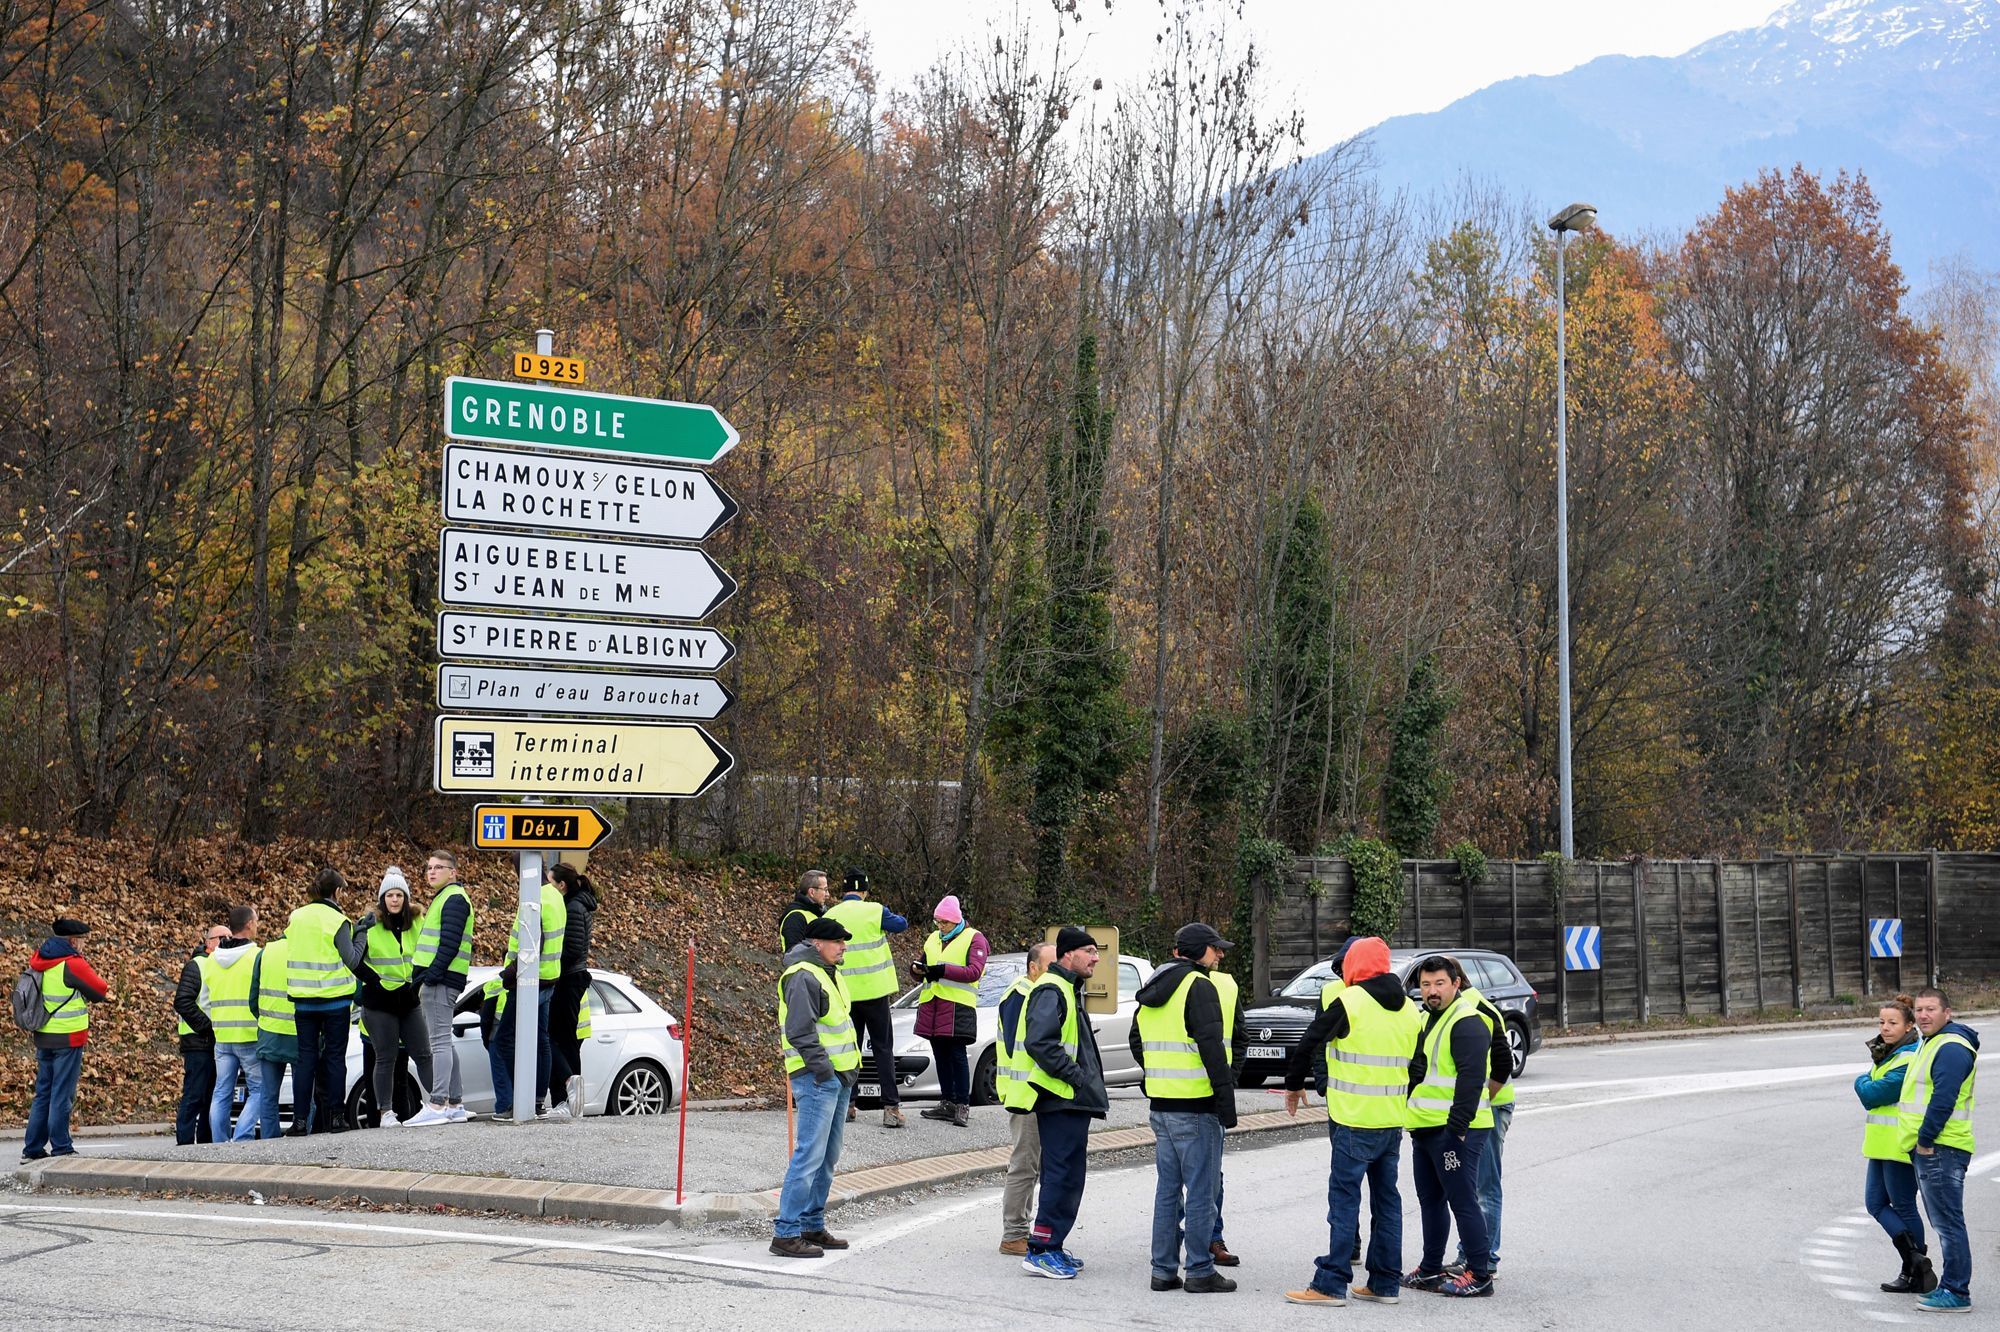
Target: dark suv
x,y
1274,1027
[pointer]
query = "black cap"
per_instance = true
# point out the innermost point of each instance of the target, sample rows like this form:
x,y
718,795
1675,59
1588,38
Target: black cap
x,y
1072,937
854,881
67,927
1192,939
825,927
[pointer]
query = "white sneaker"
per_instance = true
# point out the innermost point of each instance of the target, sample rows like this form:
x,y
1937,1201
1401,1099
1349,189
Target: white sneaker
x,y
573,1092
456,1114
430,1114
389,1119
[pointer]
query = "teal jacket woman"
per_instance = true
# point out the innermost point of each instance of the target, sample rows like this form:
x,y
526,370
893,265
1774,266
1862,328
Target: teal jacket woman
x,y
1891,1189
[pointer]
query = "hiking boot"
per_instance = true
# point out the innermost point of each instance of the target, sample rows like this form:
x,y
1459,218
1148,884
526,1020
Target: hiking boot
x,y
852,1113
961,1116
1213,1284
1468,1285
1363,1293
892,1117
1223,1257
1422,1280
1166,1283
824,1238
940,1111
1014,1248
796,1246
1311,1296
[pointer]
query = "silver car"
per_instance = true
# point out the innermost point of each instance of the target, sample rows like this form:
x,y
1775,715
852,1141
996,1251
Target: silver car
x,y
916,1071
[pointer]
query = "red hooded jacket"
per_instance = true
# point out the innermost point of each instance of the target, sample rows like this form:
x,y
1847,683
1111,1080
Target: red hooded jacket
x,y
82,977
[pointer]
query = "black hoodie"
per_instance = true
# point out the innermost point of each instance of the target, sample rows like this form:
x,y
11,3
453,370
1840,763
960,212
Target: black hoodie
x,y
1203,1016
581,902
187,1005
1331,1025
800,912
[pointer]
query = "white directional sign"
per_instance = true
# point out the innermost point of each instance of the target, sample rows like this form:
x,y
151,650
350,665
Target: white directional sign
x,y
577,494
564,640
522,571
581,693
546,756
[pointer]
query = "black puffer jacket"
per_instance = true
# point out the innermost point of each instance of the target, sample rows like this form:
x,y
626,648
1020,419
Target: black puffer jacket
x,y
187,1005
582,904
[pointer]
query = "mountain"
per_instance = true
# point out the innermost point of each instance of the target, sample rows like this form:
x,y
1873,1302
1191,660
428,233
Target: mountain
x,y
1905,91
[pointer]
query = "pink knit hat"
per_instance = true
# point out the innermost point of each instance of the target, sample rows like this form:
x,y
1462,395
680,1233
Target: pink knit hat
x,y
948,909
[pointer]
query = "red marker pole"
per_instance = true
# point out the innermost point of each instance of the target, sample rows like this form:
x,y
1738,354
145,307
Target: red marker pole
x,y
687,1029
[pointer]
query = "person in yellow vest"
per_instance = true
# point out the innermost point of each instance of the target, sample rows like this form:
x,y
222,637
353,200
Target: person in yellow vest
x,y
808,904
277,1034
572,990
1450,1118
69,986
520,1102
229,997
1239,1049
1181,1040
823,1060
1890,1192
319,979
393,1021
870,973
1024,1151
442,959
948,1008
1065,1085
1500,1096
197,1045
1369,1034
1934,1121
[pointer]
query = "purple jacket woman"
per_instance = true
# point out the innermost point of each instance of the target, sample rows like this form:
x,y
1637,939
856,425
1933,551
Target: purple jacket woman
x,y
951,1027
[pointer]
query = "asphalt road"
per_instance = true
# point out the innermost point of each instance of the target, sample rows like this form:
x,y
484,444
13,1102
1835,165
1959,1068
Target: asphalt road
x,y
1686,1183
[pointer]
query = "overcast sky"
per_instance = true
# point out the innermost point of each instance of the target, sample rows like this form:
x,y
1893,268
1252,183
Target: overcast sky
x,y
1350,64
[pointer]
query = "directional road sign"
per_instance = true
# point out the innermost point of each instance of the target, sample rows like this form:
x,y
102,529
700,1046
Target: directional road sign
x,y
1582,948
491,411
1885,936
538,827
528,756
580,693
565,639
560,492
522,571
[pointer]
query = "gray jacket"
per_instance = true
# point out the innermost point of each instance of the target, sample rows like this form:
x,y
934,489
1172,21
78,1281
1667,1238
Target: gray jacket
x,y
805,1005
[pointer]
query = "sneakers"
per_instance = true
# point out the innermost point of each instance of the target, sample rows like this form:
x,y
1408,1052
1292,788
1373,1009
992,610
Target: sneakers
x,y
1468,1285
1311,1296
796,1246
1363,1293
1223,1257
1014,1248
824,1238
387,1119
1050,1265
1071,1259
573,1094
1166,1283
557,1112
892,1117
1944,1301
430,1114
1422,1280
1213,1284
456,1114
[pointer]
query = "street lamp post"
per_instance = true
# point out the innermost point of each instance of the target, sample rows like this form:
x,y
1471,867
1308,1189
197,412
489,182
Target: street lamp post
x,y
1576,217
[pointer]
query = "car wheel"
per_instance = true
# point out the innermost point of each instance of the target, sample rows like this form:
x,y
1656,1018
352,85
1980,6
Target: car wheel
x,y
361,1100
986,1080
1517,1041
641,1089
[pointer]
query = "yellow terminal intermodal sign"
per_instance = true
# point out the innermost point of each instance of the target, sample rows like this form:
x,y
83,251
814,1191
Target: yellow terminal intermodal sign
x,y
538,827
561,369
522,756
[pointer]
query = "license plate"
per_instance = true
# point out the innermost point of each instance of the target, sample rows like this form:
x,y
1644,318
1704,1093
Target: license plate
x,y
867,1089
1267,1052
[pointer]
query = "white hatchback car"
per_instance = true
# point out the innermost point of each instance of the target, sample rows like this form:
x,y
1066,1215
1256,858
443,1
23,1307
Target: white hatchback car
x,y
916,1071
631,1062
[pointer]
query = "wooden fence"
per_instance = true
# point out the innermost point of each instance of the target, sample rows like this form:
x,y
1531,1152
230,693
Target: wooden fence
x,y
1678,937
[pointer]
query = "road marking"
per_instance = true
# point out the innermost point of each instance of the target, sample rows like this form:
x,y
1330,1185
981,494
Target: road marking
x,y
1726,1081
420,1232
922,1219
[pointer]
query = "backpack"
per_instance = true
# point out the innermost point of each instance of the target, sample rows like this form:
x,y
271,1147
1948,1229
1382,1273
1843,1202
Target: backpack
x,y
31,1011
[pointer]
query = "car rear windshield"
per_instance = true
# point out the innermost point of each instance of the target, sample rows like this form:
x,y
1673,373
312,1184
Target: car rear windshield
x,y
1307,984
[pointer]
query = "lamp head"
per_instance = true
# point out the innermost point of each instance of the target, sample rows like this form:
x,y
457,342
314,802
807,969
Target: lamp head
x,y
1576,217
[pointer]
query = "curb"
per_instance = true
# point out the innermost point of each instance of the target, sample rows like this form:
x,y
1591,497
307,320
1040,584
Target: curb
x,y
1738,1029
543,1198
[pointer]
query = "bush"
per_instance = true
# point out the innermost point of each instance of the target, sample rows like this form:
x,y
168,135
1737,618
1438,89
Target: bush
x,y
1471,863
1378,884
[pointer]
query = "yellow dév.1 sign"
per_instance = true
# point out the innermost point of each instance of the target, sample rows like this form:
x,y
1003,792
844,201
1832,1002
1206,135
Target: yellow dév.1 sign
x,y
561,369
1100,992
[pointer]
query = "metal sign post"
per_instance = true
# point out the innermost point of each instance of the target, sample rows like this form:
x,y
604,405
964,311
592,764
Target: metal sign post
x,y
527,985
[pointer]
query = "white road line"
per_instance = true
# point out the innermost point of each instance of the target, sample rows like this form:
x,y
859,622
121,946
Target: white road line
x,y
418,1232
921,1220
1721,1081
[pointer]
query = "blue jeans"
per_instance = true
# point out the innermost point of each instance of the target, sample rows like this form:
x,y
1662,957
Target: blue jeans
x,y
1489,1181
1359,1154
56,1072
1891,1198
1187,1163
267,1112
501,1066
229,1058
502,1051
197,1086
1445,1169
1941,1176
822,1111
